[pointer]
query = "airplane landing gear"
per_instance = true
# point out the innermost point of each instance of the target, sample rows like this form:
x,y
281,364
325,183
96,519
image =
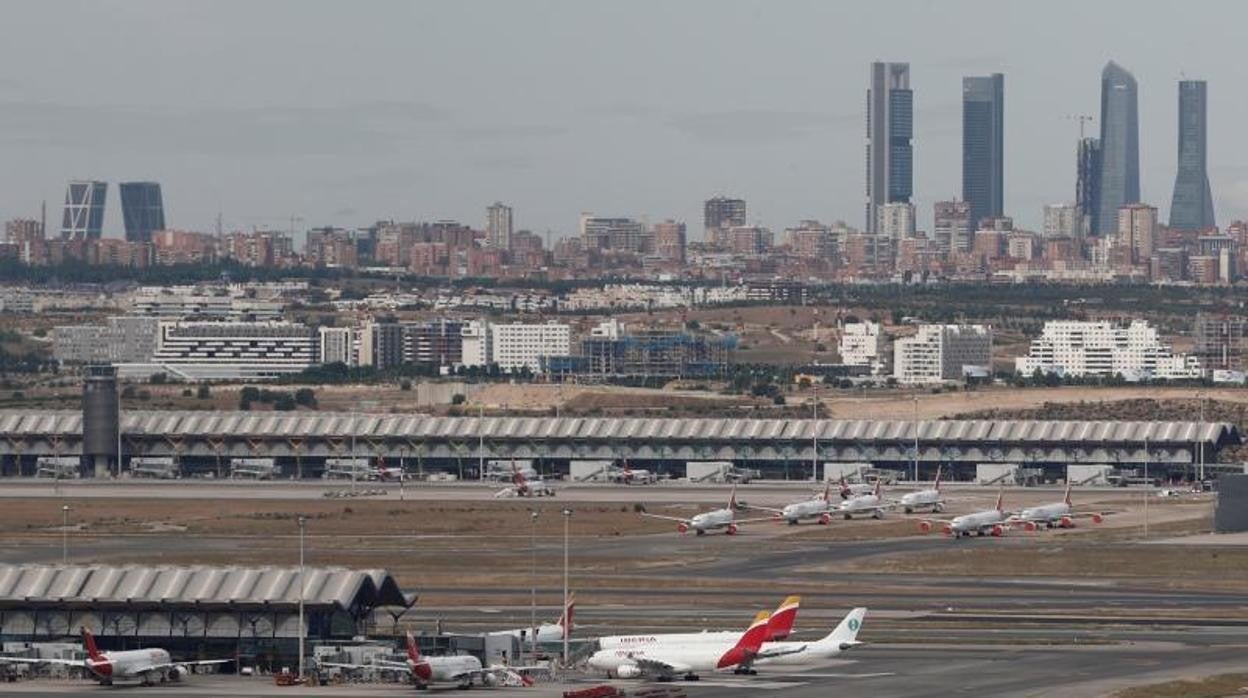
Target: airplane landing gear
x,y
692,677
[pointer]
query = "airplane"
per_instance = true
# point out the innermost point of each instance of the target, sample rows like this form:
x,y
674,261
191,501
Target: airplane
x,y
925,498
665,662
389,474
152,665
981,523
843,637
1057,515
629,476
523,486
715,519
779,626
819,507
864,503
548,632
463,670
857,488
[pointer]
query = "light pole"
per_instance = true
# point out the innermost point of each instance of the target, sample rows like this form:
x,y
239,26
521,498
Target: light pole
x,y
567,516
302,523
481,441
533,582
1148,487
1202,440
65,534
814,431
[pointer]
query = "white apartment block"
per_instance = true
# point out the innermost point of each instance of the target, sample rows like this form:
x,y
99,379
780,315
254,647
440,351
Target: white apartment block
x,y
514,346
895,221
862,344
1104,348
229,351
1062,221
337,345
940,353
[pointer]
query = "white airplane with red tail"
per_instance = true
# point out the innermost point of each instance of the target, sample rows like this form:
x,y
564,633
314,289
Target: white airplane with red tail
x,y
992,522
148,666
779,626
820,507
1057,515
667,661
522,486
713,520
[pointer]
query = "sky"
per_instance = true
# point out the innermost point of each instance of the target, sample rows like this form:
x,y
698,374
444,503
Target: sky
x,y
343,113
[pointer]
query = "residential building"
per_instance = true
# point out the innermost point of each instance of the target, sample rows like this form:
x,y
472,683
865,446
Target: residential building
x,y
1120,145
84,210
983,145
1137,233
1222,341
122,339
331,247
1062,221
938,353
669,240
721,213
1191,208
896,221
812,240
26,235
617,234
749,239
953,226
515,346
890,127
434,343
229,351
611,352
337,346
184,247
476,345
498,226
1088,184
1103,348
142,210
863,344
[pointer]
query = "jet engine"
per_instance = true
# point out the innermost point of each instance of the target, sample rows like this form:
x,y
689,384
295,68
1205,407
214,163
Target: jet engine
x,y
1067,522
1097,518
682,528
732,529
628,671
998,531
179,672
925,527
825,519
1030,526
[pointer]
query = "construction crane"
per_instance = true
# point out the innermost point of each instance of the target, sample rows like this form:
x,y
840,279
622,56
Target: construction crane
x,y
1083,119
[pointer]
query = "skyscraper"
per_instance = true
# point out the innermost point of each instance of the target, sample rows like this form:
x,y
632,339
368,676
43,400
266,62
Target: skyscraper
x,y
142,210
1192,205
890,126
983,145
84,210
721,213
498,226
1120,146
1088,183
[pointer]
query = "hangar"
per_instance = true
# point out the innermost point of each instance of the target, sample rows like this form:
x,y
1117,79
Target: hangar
x,y
197,612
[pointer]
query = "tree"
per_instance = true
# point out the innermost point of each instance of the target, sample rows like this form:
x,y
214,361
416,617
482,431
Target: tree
x,y
406,385
250,393
457,399
158,379
285,403
305,397
203,392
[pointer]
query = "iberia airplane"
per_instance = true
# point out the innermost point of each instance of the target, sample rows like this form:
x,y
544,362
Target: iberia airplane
x,y
715,519
149,666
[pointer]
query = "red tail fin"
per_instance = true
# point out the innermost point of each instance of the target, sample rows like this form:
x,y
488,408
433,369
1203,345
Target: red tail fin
x,y
732,499
420,665
1067,497
938,469
747,647
1000,500
876,491
566,621
827,492
88,641
780,624
413,652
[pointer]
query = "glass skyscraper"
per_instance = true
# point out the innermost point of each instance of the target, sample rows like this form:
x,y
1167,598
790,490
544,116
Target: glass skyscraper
x,y
84,210
1120,147
983,146
142,209
1192,205
890,126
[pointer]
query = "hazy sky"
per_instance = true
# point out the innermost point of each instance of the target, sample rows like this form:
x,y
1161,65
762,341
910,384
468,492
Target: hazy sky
x,y
346,112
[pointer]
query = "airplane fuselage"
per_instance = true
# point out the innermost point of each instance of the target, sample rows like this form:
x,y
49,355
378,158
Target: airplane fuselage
x,y
806,510
980,522
861,504
713,520
128,664
921,499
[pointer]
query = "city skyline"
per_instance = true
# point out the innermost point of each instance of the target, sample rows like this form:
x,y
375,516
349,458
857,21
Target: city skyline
x,y
333,148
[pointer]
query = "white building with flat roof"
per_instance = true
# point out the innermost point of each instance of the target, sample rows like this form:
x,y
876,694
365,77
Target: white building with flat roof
x,y
938,353
1104,348
515,345
196,351
863,344
337,345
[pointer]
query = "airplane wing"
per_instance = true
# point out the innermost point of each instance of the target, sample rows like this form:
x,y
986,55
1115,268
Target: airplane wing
x,y
170,665
380,664
767,654
661,667
763,508
754,520
665,518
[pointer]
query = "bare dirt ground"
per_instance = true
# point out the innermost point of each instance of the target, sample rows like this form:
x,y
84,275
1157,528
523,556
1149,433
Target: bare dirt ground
x,y
943,405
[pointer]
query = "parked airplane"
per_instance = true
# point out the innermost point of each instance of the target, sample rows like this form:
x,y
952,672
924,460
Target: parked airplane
x,y
857,488
389,474
463,670
1058,515
864,504
715,519
925,498
522,486
149,666
820,507
981,523
779,626
549,632
631,476
842,638
667,661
